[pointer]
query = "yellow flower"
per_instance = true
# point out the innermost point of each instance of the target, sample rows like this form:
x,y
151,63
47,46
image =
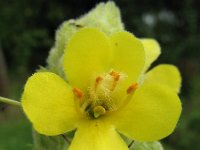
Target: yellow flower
x,y
107,91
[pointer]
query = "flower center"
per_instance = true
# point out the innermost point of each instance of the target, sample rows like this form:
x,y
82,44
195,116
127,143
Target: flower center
x,y
98,100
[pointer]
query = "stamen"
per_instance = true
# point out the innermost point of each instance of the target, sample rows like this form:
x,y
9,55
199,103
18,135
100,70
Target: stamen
x,y
78,93
116,77
132,88
98,111
78,99
98,80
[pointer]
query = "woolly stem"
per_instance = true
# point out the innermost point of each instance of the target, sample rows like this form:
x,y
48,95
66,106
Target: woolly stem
x,y
9,101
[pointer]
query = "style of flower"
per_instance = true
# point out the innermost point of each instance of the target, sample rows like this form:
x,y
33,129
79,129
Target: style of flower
x,y
107,92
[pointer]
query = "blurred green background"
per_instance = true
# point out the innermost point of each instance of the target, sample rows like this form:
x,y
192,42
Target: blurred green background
x,y
27,30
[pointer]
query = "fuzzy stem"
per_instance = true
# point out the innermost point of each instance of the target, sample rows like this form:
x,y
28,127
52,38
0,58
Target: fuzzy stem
x,y
9,101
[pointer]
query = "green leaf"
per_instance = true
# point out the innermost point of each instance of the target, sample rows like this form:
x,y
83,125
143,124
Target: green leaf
x,y
106,17
146,146
134,145
42,142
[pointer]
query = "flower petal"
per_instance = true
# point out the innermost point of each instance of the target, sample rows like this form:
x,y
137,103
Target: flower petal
x,y
97,135
152,51
152,113
88,53
129,59
48,103
167,75
129,56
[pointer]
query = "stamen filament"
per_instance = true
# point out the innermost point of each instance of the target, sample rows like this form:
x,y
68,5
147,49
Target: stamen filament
x,y
130,91
78,99
116,77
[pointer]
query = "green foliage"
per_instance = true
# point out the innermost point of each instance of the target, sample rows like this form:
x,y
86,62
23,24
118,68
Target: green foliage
x,y
42,142
146,146
135,145
20,33
106,17
15,134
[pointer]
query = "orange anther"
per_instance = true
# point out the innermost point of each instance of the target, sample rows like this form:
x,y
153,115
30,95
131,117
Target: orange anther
x,y
115,75
78,93
132,88
98,79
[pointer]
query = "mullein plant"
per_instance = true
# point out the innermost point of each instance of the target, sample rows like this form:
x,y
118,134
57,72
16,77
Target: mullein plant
x,y
97,93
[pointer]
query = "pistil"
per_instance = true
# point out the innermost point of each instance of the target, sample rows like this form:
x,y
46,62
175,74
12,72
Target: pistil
x,y
98,111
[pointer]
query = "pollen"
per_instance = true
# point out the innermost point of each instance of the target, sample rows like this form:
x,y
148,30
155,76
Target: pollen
x,y
78,93
132,88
